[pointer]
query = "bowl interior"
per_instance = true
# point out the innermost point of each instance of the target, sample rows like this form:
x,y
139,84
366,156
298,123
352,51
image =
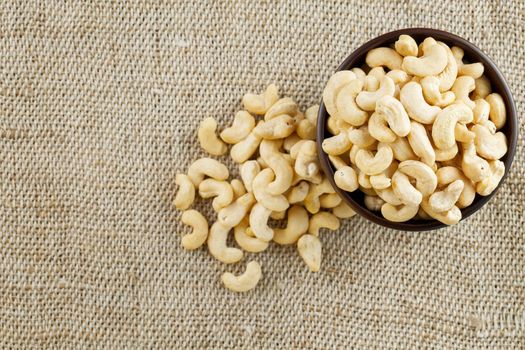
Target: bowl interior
x,y
472,54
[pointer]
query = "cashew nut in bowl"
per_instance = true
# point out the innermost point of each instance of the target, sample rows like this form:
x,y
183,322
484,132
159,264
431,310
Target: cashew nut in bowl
x,y
433,95
323,219
406,46
447,175
474,70
366,100
482,89
298,192
233,214
208,139
404,190
498,114
383,180
347,108
361,137
462,88
346,179
425,44
446,154
296,226
391,110
275,128
371,83
260,184
243,124
450,73
290,141
363,179
283,106
244,282
306,163
333,86
400,213
489,146
238,188
329,200
200,229
259,222
309,247
432,62
248,171
444,200
259,104
374,203
221,190
306,130
217,244
384,56
481,111
186,193
389,196
343,211
443,129
243,150
377,72
489,184
462,133
337,162
426,180
473,166
372,164
337,144
312,202
207,167
411,97
283,171
420,143
449,217
402,149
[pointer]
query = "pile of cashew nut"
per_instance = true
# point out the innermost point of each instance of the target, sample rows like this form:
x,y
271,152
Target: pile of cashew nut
x,y
416,130
273,143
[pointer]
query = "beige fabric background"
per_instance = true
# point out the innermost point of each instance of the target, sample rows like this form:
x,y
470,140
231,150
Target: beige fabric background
x,y
99,106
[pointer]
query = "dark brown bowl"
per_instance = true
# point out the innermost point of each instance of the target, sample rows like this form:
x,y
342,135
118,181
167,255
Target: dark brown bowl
x,y
472,54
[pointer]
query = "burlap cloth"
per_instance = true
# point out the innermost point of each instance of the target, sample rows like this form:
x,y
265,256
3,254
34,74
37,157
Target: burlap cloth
x,y
100,102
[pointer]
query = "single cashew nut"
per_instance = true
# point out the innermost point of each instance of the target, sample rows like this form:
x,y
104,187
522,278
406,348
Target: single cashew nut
x,y
366,100
372,164
347,109
402,149
283,106
243,124
233,214
361,137
259,104
309,247
473,166
331,125
384,180
298,192
446,154
290,141
359,73
498,113
374,203
371,83
489,146
443,129
489,184
312,202
332,88
377,72
433,94
276,128
426,180
389,196
323,219
221,190
483,88
297,225
406,46
244,282
337,162
346,179
306,163
474,70
384,56
447,175
420,143
207,167
186,193
306,130
411,97
343,211
462,88
217,244
330,200
481,111
269,151
270,201
399,213
449,217
249,171
208,139
444,200
462,133
404,190
432,62
243,150
337,144
238,188
259,222
200,229
363,179
450,73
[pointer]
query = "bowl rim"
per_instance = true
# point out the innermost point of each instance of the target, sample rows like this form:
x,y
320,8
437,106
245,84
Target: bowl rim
x,y
502,88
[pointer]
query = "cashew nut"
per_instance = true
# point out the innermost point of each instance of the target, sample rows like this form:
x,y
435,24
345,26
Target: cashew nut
x,y
473,166
208,139
384,56
481,111
359,73
238,188
446,154
306,163
233,214
243,150
311,202
323,219
337,161
411,97
483,88
399,213
343,211
259,104
383,180
444,200
269,151
374,203
389,196
371,83
462,88
395,115
275,128
259,222
290,141
361,137
207,167
283,106
248,171
186,193
199,233
347,109
243,124
270,201
498,113
329,200
433,94
489,146
346,179
420,143
449,217
474,70
217,244
309,247
306,130
366,100
402,150
377,72
462,133
489,184
221,190
333,86
448,174
331,125
372,164
297,225
432,62
426,180
363,179
244,282
450,73
404,190
406,46
443,130
337,144
298,192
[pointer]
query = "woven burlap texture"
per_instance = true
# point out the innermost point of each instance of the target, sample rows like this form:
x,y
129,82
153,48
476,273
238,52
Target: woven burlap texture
x,y
100,101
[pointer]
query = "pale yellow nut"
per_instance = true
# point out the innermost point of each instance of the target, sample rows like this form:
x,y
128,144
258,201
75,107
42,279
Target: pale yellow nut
x,y
311,114
337,144
332,125
306,130
343,211
489,184
489,146
297,225
420,143
346,179
323,219
298,192
371,84
389,196
207,167
313,180
384,180
283,171
186,193
217,244
275,128
481,111
337,162
270,201
208,139
446,154
248,171
372,164
426,180
406,46
402,150
450,73
432,62
290,141
199,233
449,217
433,95
244,282
238,188
384,56
360,74
243,150
347,109
363,179
259,216
312,202
445,199
221,190
473,166
498,113
483,88
395,115
366,100
443,130
474,70
361,137
306,163
404,190
309,248
411,97
377,72
259,104
283,106
374,203
243,124
462,88
400,213
462,133
329,200
448,174
233,214
332,88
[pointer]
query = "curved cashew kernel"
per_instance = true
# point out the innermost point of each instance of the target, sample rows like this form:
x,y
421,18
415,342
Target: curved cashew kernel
x,y
446,154
481,112
462,88
290,141
363,179
400,77
402,150
346,179
306,164
208,139
404,190
432,62
249,171
238,188
186,193
217,244
337,144
233,214
432,93
329,200
283,171
200,229
323,219
474,70
360,74
395,115
337,162
380,181
259,222
462,133
426,180
207,167
343,211
449,217
420,143
489,146
306,130
243,150
411,96
243,283
498,113
259,104
444,200
221,190
283,106
489,184
400,213
275,128
374,203
371,83
366,100
450,73
389,196
473,166
243,124
483,88
294,151
384,56
331,125
332,88
298,192
377,72
245,241
448,174
361,137
406,46
443,130
296,226
374,164
347,109
260,184
312,202
309,248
